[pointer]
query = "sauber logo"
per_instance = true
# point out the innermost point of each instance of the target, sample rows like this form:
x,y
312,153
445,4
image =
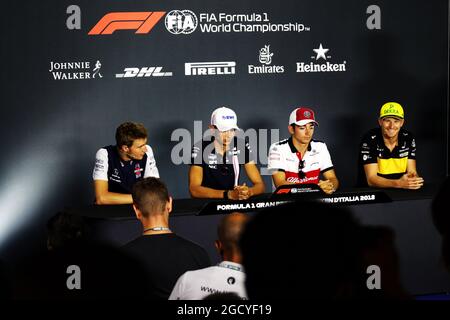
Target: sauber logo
x,y
142,22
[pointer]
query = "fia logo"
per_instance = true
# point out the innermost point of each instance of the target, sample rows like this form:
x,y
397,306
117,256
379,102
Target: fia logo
x,y
181,22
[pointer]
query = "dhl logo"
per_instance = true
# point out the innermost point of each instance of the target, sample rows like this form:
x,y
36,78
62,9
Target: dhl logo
x,y
142,22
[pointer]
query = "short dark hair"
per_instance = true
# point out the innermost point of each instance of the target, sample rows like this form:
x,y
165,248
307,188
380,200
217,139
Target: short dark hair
x,y
230,229
127,132
150,196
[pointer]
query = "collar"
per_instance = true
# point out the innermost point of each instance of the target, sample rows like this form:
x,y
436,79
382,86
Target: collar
x,y
294,149
125,163
122,162
231,265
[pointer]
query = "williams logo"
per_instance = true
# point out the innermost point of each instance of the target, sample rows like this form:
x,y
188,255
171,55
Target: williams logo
x,y
75,70
265,58
181,22
209,68
143,72
321,66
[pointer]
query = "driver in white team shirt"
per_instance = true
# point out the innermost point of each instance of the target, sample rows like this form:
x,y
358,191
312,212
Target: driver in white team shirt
x,y
299,159
226,277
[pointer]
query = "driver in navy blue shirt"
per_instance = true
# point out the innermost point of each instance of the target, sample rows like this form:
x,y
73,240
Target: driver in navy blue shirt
x,y
118,167
216,165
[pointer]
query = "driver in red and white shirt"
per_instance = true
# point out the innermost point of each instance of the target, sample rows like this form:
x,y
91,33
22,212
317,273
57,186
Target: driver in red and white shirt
x,y
299,159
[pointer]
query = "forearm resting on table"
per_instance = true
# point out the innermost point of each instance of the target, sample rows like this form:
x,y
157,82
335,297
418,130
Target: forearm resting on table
x,y
204,192
113,198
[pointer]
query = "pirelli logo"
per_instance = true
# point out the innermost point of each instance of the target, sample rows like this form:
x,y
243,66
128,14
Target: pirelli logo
x,y
142,22
209,68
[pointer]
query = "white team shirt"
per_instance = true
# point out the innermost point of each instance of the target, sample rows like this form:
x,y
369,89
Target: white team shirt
x,y
284,157
226,277
101,165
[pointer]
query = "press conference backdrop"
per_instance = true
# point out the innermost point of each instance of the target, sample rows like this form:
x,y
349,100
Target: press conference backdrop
x,y
72,72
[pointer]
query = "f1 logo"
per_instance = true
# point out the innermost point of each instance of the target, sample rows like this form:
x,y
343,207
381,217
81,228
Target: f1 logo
x,y
142,22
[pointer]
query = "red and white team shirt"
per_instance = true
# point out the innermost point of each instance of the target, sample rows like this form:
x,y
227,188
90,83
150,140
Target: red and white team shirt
x,y
283,156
